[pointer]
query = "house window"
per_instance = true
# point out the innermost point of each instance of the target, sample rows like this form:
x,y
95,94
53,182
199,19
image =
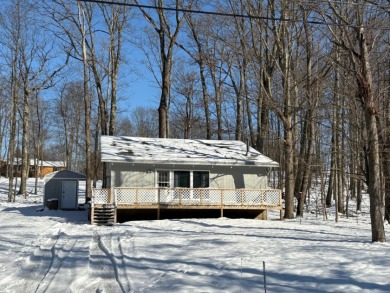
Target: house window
x,y
181,179
163,179
200,179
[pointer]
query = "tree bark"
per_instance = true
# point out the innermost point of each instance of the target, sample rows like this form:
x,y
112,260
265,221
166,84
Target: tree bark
x,y
87,104
371,111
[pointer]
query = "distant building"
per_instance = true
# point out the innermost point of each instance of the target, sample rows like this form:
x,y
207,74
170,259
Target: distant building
x,y
41,167
45,167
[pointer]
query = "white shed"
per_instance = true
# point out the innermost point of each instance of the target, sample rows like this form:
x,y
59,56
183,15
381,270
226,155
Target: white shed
x,y
62,189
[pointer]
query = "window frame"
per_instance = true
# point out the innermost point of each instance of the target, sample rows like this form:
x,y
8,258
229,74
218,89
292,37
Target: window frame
x,y
163,183
170,183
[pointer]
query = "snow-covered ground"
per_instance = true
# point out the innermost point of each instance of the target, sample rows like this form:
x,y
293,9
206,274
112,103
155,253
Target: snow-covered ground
x,y
59,251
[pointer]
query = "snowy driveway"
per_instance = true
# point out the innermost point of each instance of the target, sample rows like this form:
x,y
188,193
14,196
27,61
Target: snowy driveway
x,y
57,251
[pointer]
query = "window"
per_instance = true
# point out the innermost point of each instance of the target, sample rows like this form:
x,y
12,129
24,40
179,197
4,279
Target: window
x,y
201,179
182,179
163,179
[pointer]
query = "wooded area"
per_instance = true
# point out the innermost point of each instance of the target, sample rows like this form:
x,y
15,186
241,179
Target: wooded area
x,y
304,82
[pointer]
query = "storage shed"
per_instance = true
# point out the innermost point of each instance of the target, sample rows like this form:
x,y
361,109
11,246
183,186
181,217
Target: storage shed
x,y
62,189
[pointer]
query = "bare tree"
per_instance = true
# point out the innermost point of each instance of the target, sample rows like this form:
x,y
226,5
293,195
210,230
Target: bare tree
x,y
197,34
11,25
168,32
357,41
32,69
144,122
386,152
4,114
87,100
283,37
312,81
68,110
38,133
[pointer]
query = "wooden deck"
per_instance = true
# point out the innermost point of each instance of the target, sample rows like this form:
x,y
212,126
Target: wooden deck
x,y
174,199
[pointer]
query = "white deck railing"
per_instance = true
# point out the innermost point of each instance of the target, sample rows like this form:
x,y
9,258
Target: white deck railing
x,y
267,198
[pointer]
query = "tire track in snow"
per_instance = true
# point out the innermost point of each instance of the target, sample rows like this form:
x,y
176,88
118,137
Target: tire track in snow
x,y
39,262
117,248
59,252
97,239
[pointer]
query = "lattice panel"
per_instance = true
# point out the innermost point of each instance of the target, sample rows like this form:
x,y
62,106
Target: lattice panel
x,y
147,195
202,196
125,195
232,196
165,195
254,197
100,196
272,197
183,194
214,196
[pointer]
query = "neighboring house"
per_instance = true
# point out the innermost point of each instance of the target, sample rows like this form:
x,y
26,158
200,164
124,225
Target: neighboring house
x,y
147,173
43,167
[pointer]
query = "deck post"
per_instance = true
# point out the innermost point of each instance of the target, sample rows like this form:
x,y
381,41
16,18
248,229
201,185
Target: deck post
x,y
158,204
92,213
109,196
221,203
281,205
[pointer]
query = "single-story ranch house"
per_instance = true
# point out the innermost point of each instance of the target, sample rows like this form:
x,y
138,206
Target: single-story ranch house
x,y
164,177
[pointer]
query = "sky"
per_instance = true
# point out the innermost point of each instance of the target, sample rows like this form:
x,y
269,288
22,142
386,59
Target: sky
x,y
45,250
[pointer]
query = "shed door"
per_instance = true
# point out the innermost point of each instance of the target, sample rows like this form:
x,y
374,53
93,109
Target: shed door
x,y
69,194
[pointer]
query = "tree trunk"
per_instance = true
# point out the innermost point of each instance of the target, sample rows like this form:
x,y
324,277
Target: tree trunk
x,y
25,129
87,106
374,183
386,155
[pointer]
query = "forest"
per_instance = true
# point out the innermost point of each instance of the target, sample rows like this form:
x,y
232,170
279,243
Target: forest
x,y
304,82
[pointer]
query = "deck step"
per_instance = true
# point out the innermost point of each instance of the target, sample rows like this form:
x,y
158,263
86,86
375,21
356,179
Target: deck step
x,y
104,215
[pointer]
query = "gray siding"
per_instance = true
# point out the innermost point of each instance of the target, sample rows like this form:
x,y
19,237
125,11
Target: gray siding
x,y
137,175
53,190
53,185
239,177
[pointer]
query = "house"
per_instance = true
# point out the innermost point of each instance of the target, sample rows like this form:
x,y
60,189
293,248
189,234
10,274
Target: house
x,y
43,167
170,175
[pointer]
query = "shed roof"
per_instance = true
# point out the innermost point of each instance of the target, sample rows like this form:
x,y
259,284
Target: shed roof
x,y
180,151
65,174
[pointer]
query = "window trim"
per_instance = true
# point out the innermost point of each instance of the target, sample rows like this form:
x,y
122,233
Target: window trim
x,y
158,182
171,179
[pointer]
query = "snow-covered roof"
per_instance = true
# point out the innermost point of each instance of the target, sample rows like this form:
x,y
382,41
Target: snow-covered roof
x,y
64,174
56,164
180,151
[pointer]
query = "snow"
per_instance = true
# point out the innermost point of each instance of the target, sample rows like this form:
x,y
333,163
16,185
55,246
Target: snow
x,y
59,251
181,151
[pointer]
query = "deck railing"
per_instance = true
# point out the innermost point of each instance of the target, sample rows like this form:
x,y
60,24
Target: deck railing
x,y
138,197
